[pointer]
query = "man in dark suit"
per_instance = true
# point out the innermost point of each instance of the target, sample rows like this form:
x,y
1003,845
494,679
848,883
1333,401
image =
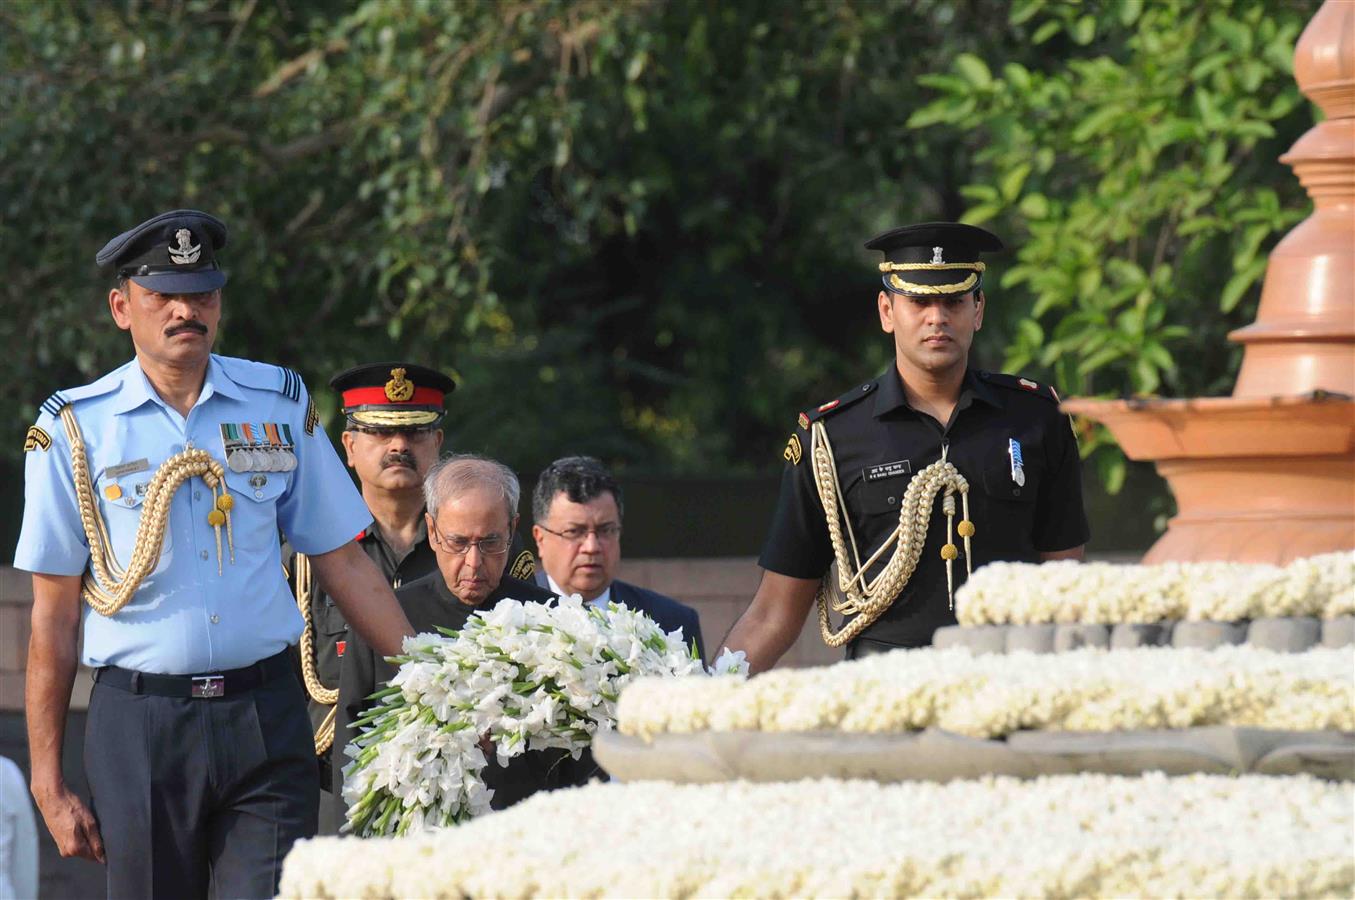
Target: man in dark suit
x,y
471,515
577,508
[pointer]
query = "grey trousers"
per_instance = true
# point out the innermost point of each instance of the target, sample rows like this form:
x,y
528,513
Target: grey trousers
x,y
200,795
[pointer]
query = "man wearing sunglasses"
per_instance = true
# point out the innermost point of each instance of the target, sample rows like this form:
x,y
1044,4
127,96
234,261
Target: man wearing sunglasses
x,y
392,436
471,515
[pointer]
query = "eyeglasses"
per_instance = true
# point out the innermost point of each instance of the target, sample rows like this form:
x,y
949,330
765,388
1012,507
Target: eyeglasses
x,y
489,546
578,534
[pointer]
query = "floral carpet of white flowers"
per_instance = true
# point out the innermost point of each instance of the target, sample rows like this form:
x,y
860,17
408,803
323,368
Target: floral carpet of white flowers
x,y
991,696
1063,836
1068,591
526,675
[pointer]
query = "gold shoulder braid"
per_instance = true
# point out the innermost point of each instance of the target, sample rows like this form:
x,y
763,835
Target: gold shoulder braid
x,y
866,599
109,587
324,735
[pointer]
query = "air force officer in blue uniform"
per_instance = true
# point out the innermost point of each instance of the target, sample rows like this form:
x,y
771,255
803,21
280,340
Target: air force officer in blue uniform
x,y
153,501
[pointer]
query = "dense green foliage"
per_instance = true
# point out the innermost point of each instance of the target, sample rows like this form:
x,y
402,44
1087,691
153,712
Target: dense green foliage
x,y
634,229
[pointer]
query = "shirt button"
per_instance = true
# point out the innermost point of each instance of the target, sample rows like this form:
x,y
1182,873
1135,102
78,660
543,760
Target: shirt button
x,y
215,619
259,494
130,501
197,495
203,554
893,500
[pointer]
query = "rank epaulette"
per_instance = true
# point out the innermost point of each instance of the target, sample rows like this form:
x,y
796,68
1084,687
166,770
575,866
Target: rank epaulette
x,y
1024,385
263,376
836,406
291,384
54,404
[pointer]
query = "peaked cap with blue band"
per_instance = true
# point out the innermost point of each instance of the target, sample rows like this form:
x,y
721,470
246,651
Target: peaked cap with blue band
x,y
934,259
172,253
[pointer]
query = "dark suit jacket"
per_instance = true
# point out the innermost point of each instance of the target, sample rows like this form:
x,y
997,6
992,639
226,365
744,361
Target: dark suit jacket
x,y
430,605
667,612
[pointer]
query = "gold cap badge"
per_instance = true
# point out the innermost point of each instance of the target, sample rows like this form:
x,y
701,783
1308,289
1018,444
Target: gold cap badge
x,y
399,389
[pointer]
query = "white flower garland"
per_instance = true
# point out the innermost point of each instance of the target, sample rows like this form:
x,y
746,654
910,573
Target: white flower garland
x,y
992,695
529,676
1063,836
1067,591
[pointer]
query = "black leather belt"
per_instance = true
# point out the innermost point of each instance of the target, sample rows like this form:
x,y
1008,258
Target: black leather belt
x,y
863,647
212,684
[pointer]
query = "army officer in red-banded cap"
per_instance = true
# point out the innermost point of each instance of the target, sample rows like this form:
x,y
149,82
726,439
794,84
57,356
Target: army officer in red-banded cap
x,y
392,436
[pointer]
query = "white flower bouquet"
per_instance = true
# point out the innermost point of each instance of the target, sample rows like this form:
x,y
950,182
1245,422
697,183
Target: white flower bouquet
x,y
1068,592
526,676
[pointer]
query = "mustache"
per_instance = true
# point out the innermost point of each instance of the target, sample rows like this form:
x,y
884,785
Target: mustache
x,y
398,458
187,326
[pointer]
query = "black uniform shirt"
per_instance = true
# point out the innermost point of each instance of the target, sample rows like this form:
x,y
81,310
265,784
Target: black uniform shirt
x,y
879,442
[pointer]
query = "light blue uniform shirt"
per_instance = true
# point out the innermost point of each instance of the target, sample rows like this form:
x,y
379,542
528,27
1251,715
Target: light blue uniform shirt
x,y
185,618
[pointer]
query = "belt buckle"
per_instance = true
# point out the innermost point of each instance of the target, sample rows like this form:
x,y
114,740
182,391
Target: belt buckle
x,y
209,685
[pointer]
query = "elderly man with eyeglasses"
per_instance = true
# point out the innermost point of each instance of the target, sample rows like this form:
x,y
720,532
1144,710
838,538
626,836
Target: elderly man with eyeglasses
x,y
471,513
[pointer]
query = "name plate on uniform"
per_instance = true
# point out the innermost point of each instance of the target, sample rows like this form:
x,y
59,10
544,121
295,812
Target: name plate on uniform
x,y
127,468
888,470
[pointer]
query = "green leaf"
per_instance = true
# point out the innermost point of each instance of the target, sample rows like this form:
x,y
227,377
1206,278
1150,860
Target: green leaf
x,y
1239,284
1095,122
944,110
1083,30
973,70
1017,75
977,215
1111,468
1099,359
1034,206
1012,181
1045,32
1023,10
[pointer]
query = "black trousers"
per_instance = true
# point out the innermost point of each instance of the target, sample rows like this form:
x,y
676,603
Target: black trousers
x,y
199,795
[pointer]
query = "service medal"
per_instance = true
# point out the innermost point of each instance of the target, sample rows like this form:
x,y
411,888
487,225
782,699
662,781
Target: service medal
x,y
1018,465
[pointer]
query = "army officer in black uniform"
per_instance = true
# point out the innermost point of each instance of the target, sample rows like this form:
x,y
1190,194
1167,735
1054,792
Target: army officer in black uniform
x,y
392,436
996,444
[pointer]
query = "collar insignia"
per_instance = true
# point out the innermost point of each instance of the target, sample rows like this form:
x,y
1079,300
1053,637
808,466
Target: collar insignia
x,y
399,389
524,567
187,252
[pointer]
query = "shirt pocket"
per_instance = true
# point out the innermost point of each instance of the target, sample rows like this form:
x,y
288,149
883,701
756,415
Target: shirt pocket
x,y
254,519
877,498
121,499
998,481
328,619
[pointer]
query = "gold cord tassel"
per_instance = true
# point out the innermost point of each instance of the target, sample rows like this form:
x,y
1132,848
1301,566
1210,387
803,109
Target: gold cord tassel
x,y
966,529
324,734
949,551
865,598
107,587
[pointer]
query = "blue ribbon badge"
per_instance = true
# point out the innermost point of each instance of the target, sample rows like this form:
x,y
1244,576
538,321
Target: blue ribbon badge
x,y
1018,467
